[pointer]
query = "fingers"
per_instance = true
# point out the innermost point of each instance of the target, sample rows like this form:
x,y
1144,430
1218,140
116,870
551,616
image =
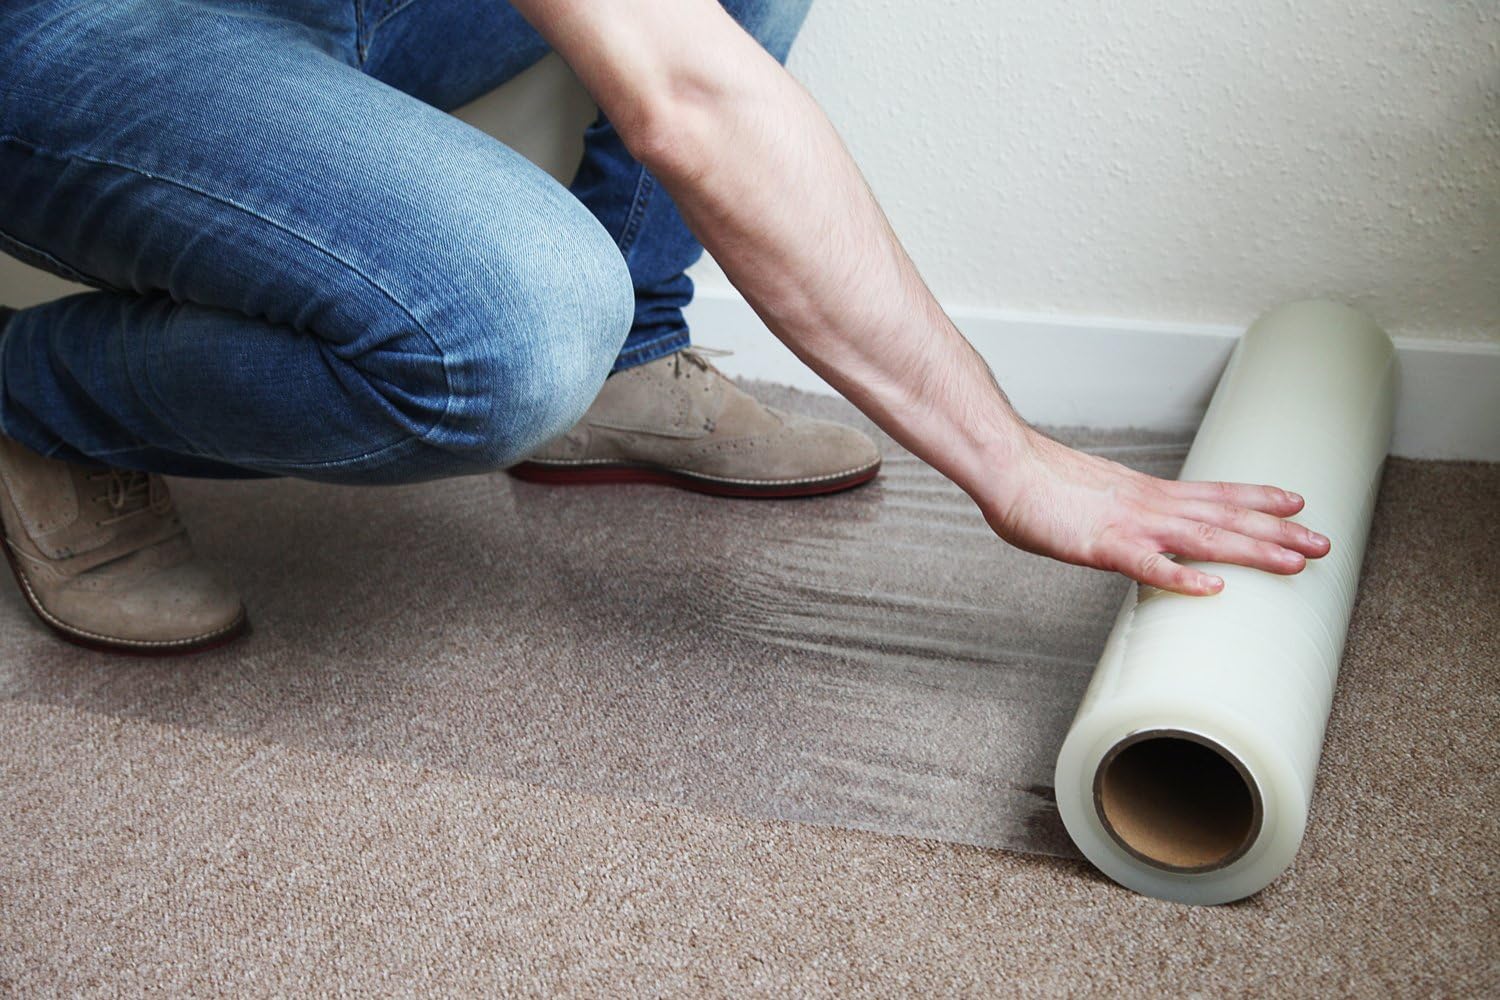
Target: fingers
x,y
1155,569
1210,543
1265,543
1270,499
1256,524
1214,532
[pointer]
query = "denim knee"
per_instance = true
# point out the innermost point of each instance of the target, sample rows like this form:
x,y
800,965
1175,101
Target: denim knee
x,y
528,348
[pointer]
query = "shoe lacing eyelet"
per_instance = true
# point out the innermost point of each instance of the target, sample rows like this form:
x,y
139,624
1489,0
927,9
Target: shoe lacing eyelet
x,y
131,492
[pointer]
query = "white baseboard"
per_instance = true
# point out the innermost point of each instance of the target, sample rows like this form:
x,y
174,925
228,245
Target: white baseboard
x,y
1105,373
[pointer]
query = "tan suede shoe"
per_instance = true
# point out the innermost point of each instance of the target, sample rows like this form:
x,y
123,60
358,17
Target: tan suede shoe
x,y
680,421
104,561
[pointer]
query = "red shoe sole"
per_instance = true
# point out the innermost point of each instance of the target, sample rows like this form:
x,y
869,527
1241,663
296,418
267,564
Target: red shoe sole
x,y
584,475
125,647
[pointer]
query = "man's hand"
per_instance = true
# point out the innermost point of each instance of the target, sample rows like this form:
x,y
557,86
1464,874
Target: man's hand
x,y
1087,510
765,183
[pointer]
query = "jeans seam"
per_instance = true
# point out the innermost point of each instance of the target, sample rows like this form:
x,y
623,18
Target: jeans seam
x,y
277,467
645,186
629,356
447,374
390,14
637,348
47,260
359,31
366,33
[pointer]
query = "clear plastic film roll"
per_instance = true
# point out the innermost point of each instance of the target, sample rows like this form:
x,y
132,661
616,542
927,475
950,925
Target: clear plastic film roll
x,y
1188,770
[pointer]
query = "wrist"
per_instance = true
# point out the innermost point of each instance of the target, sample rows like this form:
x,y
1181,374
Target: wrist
x,y
992,459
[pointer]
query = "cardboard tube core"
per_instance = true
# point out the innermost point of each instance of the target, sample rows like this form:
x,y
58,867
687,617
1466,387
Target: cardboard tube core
x,y
1177,800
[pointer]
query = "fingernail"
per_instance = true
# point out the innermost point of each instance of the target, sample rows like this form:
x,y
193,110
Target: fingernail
x,y
1317,539
1214,582
1292,497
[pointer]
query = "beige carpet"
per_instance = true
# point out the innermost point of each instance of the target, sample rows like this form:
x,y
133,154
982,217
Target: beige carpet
x,y
170,828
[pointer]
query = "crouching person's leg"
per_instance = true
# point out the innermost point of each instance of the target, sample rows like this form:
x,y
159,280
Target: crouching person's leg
x,y
105,392
302,272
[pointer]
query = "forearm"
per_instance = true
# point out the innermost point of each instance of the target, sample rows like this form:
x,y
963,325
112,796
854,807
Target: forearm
x,y
766,183
763,180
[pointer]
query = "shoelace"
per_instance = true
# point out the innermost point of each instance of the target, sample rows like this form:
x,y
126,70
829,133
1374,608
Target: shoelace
x,y
698,356
130,493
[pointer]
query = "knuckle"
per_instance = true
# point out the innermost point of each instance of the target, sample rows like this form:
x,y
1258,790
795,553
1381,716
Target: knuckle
x,y
1099,549
1111,527
1106,552
1263,554
1150,565
1276,557
1205,532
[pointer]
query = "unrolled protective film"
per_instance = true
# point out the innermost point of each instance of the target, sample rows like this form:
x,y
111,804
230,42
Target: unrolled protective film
x,y
1189,769
875,659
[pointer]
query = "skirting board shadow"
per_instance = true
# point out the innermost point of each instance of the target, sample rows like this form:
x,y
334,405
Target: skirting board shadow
x,y
1088,372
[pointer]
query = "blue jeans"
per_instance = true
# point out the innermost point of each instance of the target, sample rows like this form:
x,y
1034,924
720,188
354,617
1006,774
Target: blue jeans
x,y
305,267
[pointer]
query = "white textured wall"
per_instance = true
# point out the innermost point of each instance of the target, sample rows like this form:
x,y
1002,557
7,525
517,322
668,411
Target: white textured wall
x,y
1181,160
1177,160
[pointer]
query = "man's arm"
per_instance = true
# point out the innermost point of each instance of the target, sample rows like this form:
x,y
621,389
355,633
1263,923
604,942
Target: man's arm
x,y
764,181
